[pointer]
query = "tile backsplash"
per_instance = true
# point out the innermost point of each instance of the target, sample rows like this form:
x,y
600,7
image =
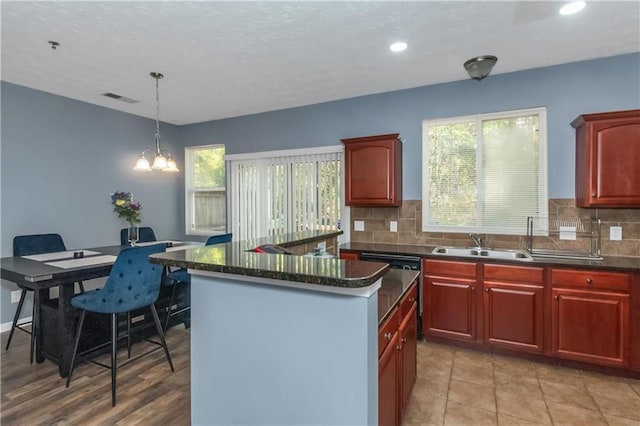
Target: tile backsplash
x,y
409,224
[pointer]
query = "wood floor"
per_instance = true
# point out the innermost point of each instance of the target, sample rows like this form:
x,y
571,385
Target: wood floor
x,y
147,392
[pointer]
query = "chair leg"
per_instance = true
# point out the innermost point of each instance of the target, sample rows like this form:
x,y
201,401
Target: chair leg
x,y
75,346
81,286
161,334
16,317
173,293
114,351
128,334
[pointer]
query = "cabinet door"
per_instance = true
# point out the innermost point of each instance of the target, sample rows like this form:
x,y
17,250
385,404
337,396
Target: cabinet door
x,y
513,316
607,156
449,307
349,256
373,171
388,384
591,326
408,356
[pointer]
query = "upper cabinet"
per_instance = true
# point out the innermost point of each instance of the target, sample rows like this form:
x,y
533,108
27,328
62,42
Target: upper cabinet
x,y
373,171
608,159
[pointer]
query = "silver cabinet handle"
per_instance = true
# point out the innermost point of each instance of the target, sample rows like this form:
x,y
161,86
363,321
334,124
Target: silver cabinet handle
x,y
387,336
589,281
404,340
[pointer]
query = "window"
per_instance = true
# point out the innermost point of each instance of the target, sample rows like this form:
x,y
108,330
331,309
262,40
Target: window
x,y
273,193
205,190
484,173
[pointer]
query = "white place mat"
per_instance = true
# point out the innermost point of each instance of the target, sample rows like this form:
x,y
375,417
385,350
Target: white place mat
x,y
83,261
58,255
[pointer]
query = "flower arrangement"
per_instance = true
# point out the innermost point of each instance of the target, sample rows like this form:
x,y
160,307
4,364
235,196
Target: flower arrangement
x,y
126,207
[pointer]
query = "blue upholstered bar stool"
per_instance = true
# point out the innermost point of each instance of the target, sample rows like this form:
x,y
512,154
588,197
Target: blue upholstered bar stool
x,y
26,245
132,284
182,277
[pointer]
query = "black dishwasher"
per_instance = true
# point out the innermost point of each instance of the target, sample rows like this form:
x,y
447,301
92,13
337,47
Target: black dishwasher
x,y
399,261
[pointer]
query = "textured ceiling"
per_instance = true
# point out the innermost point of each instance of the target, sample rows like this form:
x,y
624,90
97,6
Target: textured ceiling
x,y
225,59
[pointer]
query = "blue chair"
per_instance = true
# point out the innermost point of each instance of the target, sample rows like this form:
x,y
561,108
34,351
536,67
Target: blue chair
x,y
26,245
145,235
182,277
132,284
219,239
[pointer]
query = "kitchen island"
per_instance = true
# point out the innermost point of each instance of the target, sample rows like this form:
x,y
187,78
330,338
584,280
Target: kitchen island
x,y
278,339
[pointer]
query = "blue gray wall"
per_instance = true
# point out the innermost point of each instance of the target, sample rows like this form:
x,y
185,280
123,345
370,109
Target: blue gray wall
x,y
565,90
61,158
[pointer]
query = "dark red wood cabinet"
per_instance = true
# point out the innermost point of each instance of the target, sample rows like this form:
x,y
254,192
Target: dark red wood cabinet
x,y
590,316
513,307
345,255
607,159
450,302
397,362
373,171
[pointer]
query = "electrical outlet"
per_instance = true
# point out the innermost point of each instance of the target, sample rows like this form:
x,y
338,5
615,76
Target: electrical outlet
x,y
15,296
393,226
322,246
615,233
358,225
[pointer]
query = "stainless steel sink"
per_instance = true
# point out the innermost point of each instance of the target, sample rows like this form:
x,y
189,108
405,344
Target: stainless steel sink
x,y
520,255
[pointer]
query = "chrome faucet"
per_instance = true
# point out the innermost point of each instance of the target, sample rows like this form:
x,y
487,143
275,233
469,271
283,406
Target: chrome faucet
x,y
476,239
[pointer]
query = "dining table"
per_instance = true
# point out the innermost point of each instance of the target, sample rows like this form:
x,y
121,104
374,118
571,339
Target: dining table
x,y
42,272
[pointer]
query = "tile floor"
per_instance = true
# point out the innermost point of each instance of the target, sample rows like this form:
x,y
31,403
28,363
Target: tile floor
x,y
463,387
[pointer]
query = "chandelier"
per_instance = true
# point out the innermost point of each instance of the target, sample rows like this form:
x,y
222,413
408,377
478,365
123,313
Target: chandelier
x,y
162,158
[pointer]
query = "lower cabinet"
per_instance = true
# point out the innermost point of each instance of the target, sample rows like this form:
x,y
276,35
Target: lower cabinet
x,y
397,352
590,316
450,302
513,307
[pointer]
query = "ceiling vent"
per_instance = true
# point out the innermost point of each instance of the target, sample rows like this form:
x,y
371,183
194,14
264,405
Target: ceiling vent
x,y
120,98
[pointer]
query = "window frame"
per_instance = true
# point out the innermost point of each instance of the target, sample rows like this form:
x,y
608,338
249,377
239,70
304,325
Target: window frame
x,y
479,118
189,191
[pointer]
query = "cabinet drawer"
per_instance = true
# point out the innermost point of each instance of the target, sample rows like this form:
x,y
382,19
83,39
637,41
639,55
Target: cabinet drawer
x,y
408,300
387,330
513,273
590,279
447,267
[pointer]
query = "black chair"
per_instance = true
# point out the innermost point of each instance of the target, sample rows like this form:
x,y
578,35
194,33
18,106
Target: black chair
x,y
26,245
145,235
133,283
182,277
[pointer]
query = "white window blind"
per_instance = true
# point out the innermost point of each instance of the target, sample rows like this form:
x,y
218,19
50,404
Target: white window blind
x,y
273,193
484,173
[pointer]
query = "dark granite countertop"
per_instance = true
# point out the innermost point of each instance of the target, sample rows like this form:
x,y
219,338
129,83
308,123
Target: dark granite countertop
x,y
237,258
614,263
395,284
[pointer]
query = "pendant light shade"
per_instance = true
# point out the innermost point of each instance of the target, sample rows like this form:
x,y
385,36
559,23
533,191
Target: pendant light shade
x,y
162,158
480,66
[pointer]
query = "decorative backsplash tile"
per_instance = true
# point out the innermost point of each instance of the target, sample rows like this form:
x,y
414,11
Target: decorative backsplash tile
x,y
409,218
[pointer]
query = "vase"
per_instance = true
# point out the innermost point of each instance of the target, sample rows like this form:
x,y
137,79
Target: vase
x,y
133,235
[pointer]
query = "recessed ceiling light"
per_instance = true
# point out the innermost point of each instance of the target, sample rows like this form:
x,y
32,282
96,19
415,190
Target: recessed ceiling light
x,y
398,47
571,8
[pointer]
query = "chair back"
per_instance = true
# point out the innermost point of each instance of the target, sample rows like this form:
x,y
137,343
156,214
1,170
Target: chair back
x,y
26,245
219,239
133,281
145,235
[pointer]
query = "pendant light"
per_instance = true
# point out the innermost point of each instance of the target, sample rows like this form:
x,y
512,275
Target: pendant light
x,y
162,158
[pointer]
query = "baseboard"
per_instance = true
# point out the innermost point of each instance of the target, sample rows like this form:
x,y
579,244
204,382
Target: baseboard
x,y
4,327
